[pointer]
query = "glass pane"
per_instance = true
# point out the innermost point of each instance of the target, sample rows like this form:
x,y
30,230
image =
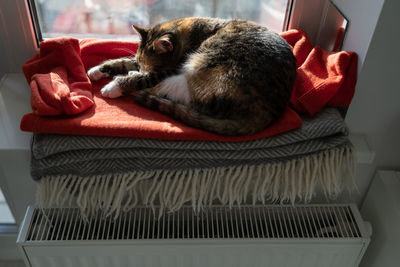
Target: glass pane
x,y
5,213
113,18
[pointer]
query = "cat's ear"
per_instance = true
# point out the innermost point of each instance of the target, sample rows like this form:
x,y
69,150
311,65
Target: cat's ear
x,y
163,45
142,32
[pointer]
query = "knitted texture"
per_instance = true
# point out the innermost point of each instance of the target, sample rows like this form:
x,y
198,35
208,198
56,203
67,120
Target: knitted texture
x,y
98,172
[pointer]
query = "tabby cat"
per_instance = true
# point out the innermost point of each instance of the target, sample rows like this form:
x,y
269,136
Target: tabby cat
x,y
230,77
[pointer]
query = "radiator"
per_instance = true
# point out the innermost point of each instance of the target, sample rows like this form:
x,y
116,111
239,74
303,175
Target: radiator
x,y
248,236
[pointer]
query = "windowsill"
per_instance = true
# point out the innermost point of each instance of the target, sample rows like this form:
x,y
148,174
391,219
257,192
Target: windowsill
x,y
14,103
364,153
8,229
6,217
14,152
81,36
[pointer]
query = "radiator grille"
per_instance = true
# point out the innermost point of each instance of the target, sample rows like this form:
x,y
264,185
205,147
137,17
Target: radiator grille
x,y
246,222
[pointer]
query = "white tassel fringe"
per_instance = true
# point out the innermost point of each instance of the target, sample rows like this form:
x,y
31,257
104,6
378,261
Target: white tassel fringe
x,y
292,180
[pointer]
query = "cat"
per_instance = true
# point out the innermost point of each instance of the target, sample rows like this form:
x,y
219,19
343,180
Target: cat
x,y
230,77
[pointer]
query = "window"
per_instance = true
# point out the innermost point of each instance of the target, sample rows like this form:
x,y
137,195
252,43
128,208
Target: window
x,y
113,18
33,19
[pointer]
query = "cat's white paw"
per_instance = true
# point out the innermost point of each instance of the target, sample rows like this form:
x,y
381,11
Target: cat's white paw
x,y
133,72
95,73
111,90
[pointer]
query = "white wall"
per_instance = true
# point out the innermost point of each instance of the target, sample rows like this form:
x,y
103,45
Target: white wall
x,y
375,110
363,16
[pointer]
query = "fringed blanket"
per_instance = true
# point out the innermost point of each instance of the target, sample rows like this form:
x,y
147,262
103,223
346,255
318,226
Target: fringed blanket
x,y
115,174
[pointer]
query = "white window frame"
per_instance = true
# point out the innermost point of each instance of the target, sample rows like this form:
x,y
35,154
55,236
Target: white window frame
x,y
17,41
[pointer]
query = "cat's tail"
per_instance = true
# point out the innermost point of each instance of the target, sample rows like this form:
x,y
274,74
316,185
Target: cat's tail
x,y
190,117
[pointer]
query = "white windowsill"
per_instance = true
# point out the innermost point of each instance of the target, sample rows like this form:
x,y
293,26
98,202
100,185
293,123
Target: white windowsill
x,y
5,214
14,149
365,155
14,103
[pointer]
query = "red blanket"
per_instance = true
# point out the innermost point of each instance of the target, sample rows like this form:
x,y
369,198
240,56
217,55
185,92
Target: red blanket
x,y
64,100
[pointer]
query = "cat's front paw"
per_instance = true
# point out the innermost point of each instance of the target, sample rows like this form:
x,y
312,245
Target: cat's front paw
x,y
133,72
111,90
95,73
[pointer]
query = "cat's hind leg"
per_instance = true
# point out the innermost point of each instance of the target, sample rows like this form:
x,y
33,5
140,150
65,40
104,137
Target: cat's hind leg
x,y
113,67
174,88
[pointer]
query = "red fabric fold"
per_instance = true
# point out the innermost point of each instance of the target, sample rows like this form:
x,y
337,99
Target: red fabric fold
x,y
121,117
323,78
59,86
58,80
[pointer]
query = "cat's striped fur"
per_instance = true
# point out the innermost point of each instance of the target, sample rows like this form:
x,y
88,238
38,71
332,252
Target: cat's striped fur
x,y
231,77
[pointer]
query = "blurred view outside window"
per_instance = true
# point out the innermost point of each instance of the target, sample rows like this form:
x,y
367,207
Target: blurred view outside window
x,y
113,18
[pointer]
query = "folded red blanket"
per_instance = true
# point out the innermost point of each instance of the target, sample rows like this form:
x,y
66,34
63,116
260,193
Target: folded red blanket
x,y
59,85
323,78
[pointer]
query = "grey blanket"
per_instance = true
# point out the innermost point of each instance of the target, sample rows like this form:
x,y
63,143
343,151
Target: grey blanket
x,y
55,155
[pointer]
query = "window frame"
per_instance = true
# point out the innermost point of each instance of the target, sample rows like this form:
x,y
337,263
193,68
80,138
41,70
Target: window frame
x,y
35,21
18,43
